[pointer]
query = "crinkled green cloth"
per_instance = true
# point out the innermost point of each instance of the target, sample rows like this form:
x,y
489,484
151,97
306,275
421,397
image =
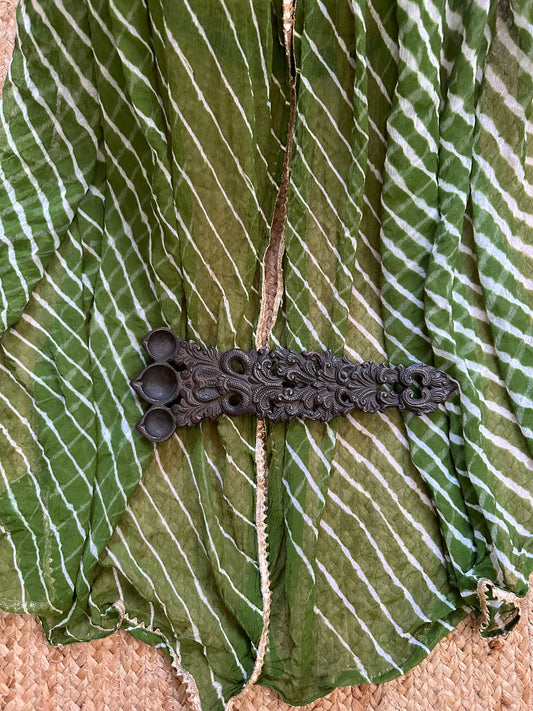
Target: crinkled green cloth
x,y
141,154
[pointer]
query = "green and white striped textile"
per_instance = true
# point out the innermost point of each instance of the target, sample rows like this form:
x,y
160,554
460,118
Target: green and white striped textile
x,y
141,154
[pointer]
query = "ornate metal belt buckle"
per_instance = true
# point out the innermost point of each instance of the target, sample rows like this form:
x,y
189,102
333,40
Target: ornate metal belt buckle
x,y
186,383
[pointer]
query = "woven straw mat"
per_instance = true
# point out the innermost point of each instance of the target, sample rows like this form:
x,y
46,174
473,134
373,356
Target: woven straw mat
x,y
119,673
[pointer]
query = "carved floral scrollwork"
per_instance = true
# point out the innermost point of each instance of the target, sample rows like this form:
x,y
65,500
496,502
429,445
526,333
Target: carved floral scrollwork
x,y
187,383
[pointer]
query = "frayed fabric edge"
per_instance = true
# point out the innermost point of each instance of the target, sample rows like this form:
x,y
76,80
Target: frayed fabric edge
x,y
486,587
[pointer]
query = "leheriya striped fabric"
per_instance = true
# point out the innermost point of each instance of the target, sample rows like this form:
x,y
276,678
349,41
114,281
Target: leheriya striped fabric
x,y
142,153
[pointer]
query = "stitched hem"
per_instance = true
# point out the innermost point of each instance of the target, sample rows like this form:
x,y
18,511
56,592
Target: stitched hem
x,y
271,296
191,690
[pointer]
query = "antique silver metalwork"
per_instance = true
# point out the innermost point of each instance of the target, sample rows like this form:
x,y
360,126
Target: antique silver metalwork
x,y
186,383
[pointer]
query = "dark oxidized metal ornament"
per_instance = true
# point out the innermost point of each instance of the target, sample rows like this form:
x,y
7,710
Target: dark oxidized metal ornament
x,y
186,383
